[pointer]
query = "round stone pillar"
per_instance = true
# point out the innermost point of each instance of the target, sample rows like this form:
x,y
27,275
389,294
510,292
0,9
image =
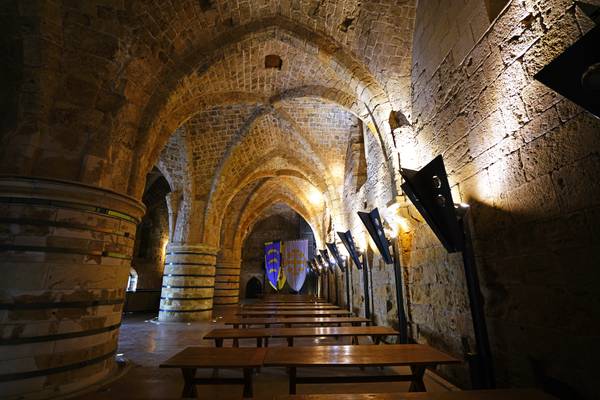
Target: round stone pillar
x,y
227,283
65,255
188,283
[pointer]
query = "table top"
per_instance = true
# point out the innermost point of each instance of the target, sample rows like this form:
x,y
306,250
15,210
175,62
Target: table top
x,y
369,355
296,320
293,302
301,332
292,313
215,357
289,307
500,394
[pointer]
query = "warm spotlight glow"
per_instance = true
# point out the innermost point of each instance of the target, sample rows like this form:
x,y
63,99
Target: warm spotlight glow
x,y
337,171
315,197
394,221
165,242
361,243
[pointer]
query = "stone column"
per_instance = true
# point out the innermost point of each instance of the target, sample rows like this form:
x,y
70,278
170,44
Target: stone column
x,y
65,254
188,283
227,282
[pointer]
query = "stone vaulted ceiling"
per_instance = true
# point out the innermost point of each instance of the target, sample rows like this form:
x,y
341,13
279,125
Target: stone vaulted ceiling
x,y
237,137
122,87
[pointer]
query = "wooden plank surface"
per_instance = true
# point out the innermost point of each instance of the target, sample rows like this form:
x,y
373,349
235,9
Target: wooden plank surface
x,y
212,357
301,332
293,313
348,356
289,307
296,321
500,394
291,297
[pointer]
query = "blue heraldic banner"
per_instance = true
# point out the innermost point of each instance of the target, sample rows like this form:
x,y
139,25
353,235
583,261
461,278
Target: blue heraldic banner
x,y
273,262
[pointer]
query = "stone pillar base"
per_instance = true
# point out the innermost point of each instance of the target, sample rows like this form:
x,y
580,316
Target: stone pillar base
x,y
65,255
188,283
227,283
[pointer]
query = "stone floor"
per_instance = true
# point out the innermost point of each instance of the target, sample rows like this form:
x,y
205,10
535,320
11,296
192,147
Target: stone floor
x,y
145,343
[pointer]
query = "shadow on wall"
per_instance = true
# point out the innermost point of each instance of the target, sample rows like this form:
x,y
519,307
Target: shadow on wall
x,y
537,274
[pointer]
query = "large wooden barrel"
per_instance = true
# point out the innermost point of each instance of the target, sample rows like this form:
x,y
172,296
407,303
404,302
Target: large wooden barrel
x,y
227,283
65,255
188,283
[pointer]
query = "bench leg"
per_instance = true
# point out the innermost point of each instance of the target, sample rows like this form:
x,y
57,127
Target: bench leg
x,y
189,389
417,384
248,390
292,374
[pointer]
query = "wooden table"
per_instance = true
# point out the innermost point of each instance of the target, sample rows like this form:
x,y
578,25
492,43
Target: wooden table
x,y
288,322
500,394
289,307
418,357
377,332
291,302
292,298
293,313
192,358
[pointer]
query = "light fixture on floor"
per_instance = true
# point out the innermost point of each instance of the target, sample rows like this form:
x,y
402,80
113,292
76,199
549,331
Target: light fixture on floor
x,y
575,73
333,249
429,191
374,225
348,241
330,261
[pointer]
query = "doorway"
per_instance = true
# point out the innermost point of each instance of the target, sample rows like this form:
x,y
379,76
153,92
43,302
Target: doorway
x,y
253,289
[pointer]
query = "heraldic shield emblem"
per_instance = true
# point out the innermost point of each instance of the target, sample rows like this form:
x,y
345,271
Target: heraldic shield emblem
x,y
295,258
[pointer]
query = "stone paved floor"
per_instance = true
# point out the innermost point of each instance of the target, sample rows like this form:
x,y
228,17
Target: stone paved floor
x,y
146,343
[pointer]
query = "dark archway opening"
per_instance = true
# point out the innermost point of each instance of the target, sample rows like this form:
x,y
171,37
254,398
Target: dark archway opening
x,y
148,254
254,289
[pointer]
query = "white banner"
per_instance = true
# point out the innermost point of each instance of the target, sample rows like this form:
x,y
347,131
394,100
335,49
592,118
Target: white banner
x,y
295,259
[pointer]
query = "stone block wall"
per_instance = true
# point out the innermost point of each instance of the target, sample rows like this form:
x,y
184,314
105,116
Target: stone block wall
x,y
525,159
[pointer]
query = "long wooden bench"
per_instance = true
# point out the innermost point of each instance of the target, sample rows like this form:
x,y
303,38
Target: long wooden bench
x,y
193,358
500,394
416,356
292,298
238,322
376,332
293,313
269,307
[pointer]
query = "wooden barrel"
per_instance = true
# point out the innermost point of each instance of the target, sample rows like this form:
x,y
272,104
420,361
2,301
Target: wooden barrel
x,y
65,255
227,283
188,283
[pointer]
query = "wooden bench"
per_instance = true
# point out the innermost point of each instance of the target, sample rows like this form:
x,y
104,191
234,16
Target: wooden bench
x,y
376,332
294,313
289,307
290,321
416,356
192,358
292,298
500,394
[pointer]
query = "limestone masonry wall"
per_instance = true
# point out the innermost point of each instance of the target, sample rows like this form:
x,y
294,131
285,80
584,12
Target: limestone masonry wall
x,y
526,160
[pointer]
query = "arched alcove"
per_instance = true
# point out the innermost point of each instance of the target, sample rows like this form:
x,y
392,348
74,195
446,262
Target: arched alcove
x,y
276,222
254,288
